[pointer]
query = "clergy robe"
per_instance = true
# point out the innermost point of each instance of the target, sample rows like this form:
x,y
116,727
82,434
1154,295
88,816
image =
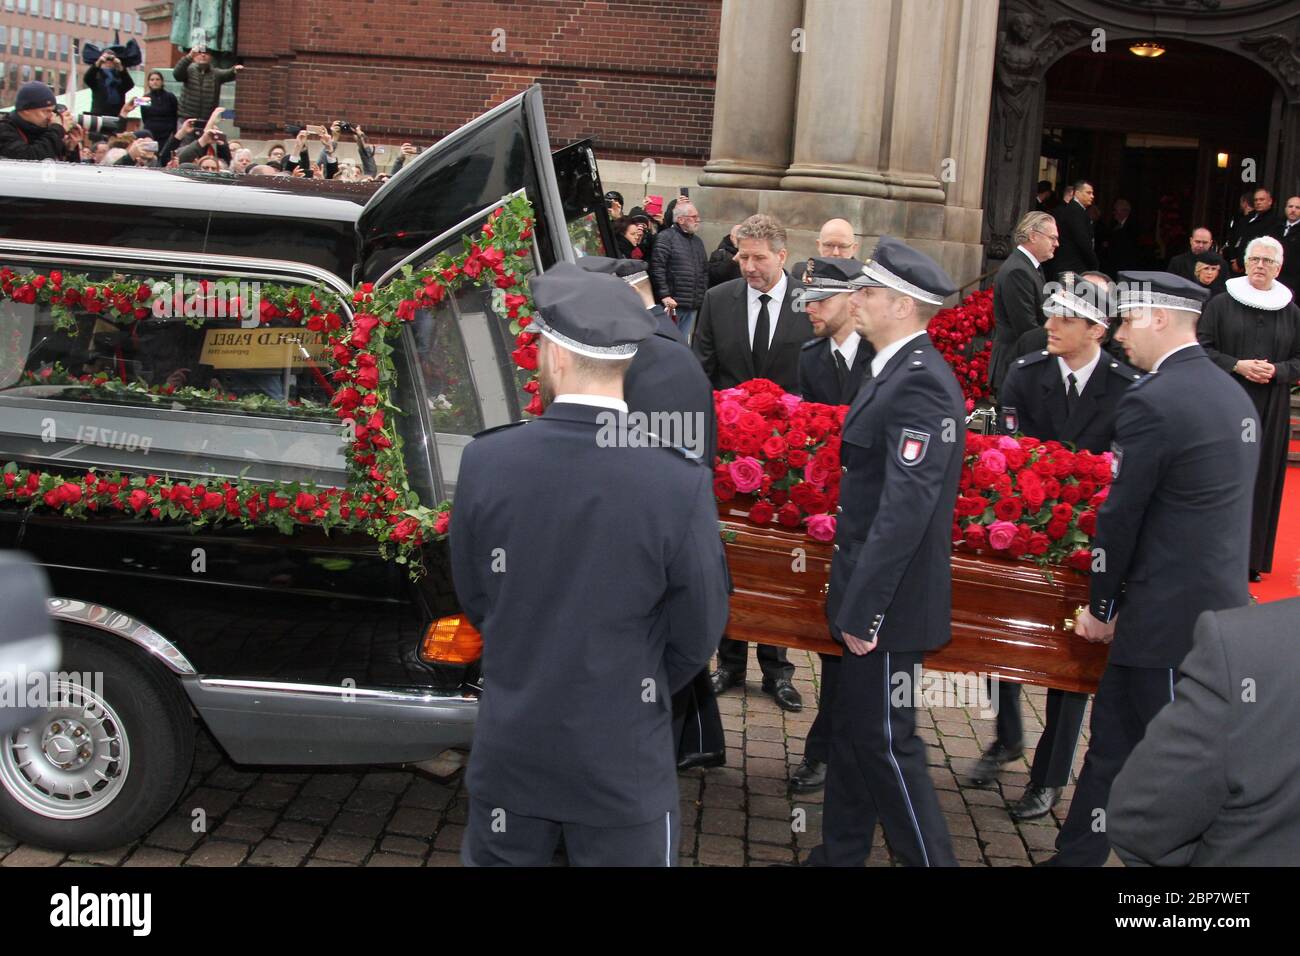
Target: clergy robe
x,y
1244,323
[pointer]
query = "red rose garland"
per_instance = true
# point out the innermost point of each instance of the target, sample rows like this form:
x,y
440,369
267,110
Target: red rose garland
x,y
954,331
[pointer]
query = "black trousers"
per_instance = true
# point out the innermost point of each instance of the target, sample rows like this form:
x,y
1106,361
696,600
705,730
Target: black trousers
x,y
1054,755
697,724
732,657
1127,699
818,744
878,771
495,836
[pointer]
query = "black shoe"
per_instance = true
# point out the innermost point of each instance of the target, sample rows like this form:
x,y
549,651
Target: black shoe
x,y
787,698
722,679
809,776
1036,802
717,758
1256,577
990,764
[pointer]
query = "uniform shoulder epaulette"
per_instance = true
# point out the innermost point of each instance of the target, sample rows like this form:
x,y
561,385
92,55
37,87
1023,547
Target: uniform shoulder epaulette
x,y
815,340
913,363
497,428
1033,357
1127,372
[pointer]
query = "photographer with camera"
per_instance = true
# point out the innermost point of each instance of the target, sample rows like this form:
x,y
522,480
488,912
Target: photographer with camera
x,y
211,142
298,162
365,152
108,82
202,81
36,130
408,151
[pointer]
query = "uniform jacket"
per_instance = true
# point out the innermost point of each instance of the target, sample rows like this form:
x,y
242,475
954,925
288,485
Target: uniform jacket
x,y
666,376
612,595
679,267
722,338
1033,397
891,571
1076,252
1175,529
817,381
1017,309
1215,780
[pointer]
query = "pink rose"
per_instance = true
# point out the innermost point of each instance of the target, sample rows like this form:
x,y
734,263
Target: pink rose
x,y
790,402
1007,443
1001,534
821,527
817,473
729,413
994,461
747,474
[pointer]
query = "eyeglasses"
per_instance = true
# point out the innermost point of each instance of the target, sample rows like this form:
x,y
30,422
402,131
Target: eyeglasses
x,y
1260,260
838,246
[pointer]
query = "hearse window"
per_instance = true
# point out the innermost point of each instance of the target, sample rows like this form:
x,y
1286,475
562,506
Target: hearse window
x,y
584,234
207,392
470,382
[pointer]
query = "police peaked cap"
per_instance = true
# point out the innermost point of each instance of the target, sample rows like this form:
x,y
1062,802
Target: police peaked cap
x,y
591,313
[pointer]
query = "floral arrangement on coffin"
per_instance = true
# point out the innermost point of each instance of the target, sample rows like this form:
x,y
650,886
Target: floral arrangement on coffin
x,y
783,451
1022,498
953,332
378,500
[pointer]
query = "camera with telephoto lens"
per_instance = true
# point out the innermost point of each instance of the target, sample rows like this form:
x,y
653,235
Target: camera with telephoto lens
x,y
101,124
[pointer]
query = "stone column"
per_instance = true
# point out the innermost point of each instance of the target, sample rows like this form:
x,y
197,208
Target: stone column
x,y
753,113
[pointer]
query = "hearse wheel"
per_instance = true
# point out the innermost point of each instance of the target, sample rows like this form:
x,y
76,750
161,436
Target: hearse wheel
x,y
106,760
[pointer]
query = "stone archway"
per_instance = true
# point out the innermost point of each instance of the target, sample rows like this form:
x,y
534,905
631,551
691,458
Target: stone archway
x,y
1035,34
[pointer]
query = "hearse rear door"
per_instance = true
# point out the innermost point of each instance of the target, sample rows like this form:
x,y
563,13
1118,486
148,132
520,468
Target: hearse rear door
x,y
453,184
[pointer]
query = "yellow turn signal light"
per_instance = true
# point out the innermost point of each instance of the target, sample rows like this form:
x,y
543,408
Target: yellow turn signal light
x,y
451,640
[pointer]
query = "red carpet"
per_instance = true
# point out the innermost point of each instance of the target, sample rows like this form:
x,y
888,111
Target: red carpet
x,y
1284,582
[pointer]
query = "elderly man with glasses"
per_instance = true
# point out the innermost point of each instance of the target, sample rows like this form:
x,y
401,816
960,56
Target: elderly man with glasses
x,y
679,268
1254,333
1018,289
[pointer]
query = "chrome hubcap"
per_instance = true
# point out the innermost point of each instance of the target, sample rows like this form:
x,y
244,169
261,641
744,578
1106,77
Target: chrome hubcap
x,y
72,760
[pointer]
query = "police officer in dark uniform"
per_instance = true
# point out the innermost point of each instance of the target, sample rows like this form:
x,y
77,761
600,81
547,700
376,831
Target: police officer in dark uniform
x,y
1173,536
1067,392
831,367
890,597
666,377
590,560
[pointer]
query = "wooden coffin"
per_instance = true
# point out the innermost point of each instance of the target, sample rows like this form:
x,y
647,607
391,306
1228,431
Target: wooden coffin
x,y
1008,619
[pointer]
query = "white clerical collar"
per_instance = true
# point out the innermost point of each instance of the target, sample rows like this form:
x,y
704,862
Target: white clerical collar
x,y
889,351
598,401
1270,300
1082,375
849,349
1160,361
1036,263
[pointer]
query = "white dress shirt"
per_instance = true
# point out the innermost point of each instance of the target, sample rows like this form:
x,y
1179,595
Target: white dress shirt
x,y
1030,256
1081,376
849,349
777,293
599,401
889,351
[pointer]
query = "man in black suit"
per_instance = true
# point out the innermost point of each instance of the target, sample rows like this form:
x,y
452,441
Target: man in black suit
x,y
1119,249
666,384
1184,264
725,337
1209,785
600,590
1173,536
747,329
831,367
1069,392
1262,221
1077,252
1018,289
890,596
1288,233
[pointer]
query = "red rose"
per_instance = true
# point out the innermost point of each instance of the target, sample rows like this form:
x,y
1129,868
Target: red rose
x,y
1038,544
1088,522
789,515
304,501
368,378
442,522
796,457
363,325
975,536
724,489
761,513
140,500
1008,509
1070,494
212,500
526,357
776,468
1056,530
404,530
774,447
1080,560
275,501
1062,512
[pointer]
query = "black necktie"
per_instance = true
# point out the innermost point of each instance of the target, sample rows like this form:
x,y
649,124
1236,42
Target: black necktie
x,y
1071,393
761,333
841,372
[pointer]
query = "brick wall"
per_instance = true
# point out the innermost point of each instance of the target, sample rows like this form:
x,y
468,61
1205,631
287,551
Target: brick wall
x,y
636,75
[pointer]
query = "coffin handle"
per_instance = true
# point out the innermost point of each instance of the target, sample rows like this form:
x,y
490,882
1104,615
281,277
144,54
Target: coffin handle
x,y
1069,621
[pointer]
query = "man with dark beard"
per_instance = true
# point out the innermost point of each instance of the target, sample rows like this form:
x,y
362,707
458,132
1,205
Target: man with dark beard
x,y
1253,332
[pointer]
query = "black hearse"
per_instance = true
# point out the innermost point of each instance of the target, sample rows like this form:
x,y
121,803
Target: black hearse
x,y
305,649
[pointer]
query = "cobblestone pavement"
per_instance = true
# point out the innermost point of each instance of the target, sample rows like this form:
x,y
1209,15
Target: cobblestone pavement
x,y
737,815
